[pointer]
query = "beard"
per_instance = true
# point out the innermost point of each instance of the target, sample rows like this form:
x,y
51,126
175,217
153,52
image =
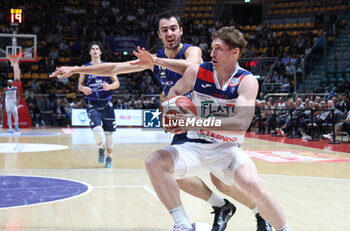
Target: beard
x,y
177,44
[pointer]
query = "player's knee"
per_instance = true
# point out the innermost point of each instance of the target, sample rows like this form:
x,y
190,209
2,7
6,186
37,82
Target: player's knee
x,y
158,160
254,188
109,140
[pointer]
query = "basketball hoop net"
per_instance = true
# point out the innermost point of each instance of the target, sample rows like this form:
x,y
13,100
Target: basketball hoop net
x,y
14,59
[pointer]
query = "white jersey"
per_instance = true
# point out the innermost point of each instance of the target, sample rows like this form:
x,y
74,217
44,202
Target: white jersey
x,y
11,94
215,101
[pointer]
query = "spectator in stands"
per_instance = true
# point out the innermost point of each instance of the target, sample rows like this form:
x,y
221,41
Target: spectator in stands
x,y
268,87
307,50
297,115
285,88
204,46
68,110
59,113
344,104
147,77
285,59
118,104
249,53
290,71
295,60
300,43
277,78
139,105
53,55
269,115
35,114
279,68
34,86
339,120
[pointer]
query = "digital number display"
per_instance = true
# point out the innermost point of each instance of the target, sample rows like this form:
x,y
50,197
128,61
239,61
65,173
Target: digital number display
x,y
16,16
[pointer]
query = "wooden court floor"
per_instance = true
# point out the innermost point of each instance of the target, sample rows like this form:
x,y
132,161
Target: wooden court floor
x,y
314,194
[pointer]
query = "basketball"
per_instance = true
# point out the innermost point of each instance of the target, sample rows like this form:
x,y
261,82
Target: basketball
x,y
173,106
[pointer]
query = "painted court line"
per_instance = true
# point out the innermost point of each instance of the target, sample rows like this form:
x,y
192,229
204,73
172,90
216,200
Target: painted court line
x,y
145,172
148,189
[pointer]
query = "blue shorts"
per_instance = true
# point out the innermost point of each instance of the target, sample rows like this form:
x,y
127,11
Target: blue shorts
x,y
101,112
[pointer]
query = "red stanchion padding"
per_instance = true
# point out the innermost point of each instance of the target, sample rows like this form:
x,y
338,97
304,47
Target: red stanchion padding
x,y
24,120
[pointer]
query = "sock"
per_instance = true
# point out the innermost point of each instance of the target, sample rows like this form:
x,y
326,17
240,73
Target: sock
x,y
109,154
255,210
180,217
284,228
215,200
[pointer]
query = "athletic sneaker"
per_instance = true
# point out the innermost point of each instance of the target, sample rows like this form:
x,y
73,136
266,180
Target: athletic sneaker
x,y
328,137
262,225
180,227
108,162
101,155
222,215
16,127
10,130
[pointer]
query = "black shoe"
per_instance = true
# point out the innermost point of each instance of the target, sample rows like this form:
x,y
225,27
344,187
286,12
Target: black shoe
x,y
222,215
262,225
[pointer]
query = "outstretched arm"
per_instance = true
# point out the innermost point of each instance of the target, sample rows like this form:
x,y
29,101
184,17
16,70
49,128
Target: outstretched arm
x,y
103,69
15,64
193,56
16,72
185,84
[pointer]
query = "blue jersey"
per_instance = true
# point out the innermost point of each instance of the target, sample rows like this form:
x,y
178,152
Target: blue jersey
x,y
168,78
95,83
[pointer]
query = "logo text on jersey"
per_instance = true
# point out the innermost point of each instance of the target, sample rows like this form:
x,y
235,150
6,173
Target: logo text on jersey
x,y
210,108
205,85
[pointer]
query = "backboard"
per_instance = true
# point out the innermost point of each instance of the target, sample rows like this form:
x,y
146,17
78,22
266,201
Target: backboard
x,y
15,44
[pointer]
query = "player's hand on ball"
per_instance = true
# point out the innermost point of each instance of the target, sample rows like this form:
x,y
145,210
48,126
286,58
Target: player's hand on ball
x,y
171,120
176,112
62,72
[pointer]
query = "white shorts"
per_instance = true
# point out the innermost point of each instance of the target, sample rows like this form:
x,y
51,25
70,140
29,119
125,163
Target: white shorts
x,y
11,107
221,159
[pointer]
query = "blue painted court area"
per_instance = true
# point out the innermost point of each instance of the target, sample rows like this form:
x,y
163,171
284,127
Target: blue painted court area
x,y
29,190
30,134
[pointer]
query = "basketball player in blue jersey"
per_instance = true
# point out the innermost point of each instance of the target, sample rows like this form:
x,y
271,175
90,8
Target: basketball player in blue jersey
x,y
97,91
168,66
218,83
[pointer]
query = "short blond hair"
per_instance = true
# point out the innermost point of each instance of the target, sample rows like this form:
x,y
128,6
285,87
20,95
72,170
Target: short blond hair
x,y
232,37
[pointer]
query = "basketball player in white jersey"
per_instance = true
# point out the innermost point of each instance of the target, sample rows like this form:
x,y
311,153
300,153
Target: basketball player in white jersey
x,y
11,97
169,30
11,94
219,84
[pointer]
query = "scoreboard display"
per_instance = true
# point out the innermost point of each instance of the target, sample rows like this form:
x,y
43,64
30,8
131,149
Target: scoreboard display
x,y
16,16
